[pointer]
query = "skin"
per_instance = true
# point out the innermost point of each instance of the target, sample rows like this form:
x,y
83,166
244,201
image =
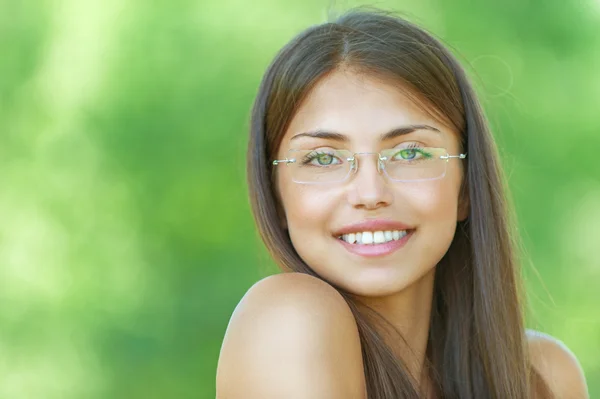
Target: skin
x,y
399,285
293,335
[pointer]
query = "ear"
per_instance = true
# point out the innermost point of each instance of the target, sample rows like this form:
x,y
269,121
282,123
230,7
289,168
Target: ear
x,y
283,222
464,204
281,216
279,205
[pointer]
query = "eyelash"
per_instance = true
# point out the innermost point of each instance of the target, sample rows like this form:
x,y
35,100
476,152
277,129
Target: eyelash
x,y
413,146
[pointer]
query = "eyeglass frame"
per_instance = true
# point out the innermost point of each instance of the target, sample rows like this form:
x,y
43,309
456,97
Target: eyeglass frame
x,y
379,159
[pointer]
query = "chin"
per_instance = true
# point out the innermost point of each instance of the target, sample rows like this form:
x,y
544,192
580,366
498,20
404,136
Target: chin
x,y
377,281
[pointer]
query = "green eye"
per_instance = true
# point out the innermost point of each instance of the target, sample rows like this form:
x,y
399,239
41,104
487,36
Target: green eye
x,y
412,154
325,159
320,159
407,153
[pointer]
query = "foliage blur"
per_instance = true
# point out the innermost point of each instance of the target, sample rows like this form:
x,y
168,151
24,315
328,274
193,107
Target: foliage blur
x,y
126,238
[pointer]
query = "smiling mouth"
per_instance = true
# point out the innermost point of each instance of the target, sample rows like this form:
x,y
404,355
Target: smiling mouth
x,y
374,237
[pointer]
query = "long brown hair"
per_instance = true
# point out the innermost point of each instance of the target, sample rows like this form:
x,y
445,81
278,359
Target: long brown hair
x,y
477,346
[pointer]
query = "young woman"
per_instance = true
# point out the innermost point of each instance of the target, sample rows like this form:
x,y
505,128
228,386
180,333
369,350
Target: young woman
x,y
375,185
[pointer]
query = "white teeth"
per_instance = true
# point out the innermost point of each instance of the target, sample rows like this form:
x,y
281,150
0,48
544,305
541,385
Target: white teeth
x,y
367,237
370,237
378,237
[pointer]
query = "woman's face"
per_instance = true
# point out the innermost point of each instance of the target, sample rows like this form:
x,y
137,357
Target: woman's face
x,y
362,109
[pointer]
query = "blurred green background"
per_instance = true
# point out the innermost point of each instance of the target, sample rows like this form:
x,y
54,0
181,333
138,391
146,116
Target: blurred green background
x,y
126,239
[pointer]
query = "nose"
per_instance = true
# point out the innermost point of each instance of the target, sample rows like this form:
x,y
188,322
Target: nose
x,y
368,188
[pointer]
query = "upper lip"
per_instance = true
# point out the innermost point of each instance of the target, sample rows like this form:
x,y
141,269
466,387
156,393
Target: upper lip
x,y
372,225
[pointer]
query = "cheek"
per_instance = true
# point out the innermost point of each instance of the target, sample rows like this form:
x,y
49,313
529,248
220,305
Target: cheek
x,y
436,200
434,206
308,212
308,215
431,201
306,206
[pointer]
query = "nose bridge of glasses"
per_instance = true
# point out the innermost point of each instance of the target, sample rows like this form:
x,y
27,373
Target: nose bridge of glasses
x,y
379,161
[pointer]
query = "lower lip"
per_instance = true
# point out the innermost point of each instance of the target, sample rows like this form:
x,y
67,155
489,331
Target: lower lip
x,y
374,250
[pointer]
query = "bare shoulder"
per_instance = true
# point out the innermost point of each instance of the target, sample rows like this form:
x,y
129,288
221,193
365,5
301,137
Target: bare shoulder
x,y
558,365
291,336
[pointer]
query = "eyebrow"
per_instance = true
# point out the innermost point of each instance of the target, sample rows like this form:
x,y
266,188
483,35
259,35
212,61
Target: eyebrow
x,y
396,132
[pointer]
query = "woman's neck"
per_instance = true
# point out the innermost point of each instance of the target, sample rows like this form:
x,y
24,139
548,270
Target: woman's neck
x,y
408,312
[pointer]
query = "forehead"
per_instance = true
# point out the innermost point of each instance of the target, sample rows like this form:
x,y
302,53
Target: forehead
x,y
359,106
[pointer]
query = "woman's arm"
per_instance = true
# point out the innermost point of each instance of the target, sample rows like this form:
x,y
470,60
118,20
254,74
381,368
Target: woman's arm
x,y
291,336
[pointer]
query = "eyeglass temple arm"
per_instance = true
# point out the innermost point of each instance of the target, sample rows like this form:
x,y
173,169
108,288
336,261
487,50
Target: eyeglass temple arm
x,y
278,161
461,156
